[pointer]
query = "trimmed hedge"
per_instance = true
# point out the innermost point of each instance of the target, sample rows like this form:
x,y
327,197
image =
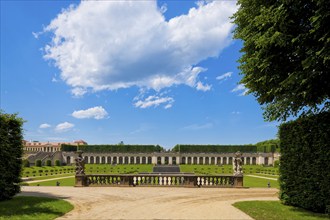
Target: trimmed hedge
x,y
48,163
217,148
120,148
57,163
11,151
38,163
304,163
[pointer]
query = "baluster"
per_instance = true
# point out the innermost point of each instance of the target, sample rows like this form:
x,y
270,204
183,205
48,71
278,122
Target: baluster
x,y
202,179
160,180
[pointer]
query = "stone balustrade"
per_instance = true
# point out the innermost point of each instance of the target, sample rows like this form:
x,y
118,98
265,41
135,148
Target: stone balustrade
x,y
169,180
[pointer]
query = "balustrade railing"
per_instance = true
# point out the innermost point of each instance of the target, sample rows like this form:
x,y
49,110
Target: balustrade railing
x,y
188,180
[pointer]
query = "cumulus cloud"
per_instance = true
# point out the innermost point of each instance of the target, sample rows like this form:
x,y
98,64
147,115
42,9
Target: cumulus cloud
x,y
241,89
97,112
155,101
107,45
45,125
200,86
224,76
63,127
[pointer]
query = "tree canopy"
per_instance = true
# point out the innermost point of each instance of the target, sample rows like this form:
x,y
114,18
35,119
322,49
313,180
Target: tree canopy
x,y
285,60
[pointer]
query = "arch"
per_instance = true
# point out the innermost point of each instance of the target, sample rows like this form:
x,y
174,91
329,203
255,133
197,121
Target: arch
x,y
213,160
144,160
254,161
224,160
207,160
201,160
109,159
166,160
132,161
120,160
183,160
97,160
230,162
266,160
138,161
159,160
218,160
149,160
243,161
195,160
68,160
91,159
126,160
114,161
189,160
85,159
174,160
103,160
248,161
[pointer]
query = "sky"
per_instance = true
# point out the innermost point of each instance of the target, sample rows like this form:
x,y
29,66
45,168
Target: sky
x,y
141,72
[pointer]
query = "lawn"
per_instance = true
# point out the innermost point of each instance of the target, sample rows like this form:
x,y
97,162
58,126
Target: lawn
x,y
26,207
63,182
249,181
274,210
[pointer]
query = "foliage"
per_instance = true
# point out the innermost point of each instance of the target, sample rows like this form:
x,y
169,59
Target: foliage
x,y
219,148
272,145
305,166
286,56
274,210
116,148
26,163
48,163
11,151
57,163
38,163
26,207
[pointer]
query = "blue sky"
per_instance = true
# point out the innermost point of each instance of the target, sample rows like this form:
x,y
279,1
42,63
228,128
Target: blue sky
x,y
141,72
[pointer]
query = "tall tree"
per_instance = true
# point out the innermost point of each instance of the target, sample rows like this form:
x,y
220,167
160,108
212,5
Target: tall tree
x,y
11,151
285,60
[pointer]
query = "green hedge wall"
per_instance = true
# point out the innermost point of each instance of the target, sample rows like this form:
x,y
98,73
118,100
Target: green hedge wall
x,y
11,151
217,148
120,148
305,163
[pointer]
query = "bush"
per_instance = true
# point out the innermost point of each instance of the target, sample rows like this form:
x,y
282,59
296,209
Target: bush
x,y
57,163
26,163
48,163
38,163
11,151
304,169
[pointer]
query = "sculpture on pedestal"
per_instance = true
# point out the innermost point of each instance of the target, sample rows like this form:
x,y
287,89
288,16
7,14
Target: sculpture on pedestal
x,y
80,164
237,164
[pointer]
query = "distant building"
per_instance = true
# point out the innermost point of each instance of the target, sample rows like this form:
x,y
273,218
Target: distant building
x,y
36,146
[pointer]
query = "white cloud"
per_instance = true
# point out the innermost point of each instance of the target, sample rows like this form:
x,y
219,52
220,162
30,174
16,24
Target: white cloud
x,y
63,127
235,112
97,112
198,126
100,45
224,76
45,125
154,101
240,88
200,86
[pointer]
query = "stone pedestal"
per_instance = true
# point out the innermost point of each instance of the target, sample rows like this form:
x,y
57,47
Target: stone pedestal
x,y
238,181
80,180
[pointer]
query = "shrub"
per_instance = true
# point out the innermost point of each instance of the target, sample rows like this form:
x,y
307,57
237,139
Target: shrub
x,y
57,163
48,163
11,152
304,169
40,172
38,163
26,163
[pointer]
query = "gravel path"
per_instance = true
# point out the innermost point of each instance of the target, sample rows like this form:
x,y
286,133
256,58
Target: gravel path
x,y
152,202
262,177
45,180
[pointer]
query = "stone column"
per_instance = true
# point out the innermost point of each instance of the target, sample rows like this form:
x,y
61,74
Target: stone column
x,y
162,160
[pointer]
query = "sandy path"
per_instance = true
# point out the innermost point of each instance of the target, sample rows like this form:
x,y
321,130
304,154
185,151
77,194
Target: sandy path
x,y
152,202
45,180
262,177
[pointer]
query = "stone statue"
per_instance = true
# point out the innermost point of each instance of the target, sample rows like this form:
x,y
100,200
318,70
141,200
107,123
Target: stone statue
x,y
237,164
80,164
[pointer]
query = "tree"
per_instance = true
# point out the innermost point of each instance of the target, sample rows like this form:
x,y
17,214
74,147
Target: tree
x,y
285,59
11,150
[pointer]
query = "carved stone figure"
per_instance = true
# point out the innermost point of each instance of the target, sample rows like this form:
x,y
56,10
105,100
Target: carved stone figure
x,y
80,164
237,164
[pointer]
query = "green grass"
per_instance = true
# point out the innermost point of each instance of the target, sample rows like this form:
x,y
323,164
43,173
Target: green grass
x,y
26,207
63,182
121,168
249,181
274,210
49,170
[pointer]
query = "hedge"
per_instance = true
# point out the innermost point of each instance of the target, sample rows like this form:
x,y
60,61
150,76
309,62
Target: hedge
x,y
304,163
11,151
38,163
118,148
215,148
48,163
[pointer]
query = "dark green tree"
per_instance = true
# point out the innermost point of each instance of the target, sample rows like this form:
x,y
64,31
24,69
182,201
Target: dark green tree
x,y
11,151
286,55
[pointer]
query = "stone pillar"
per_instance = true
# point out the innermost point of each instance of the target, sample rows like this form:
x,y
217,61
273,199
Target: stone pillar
x,y
154,159
170,160
162,160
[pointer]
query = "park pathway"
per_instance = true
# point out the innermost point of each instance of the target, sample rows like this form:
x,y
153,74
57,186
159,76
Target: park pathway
x,y
263,177
45,180
153,202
